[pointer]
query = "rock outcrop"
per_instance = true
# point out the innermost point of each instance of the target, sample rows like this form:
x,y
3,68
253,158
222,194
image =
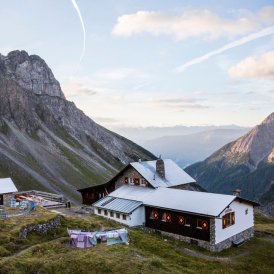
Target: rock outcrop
x,y
46,142
247,163
30,72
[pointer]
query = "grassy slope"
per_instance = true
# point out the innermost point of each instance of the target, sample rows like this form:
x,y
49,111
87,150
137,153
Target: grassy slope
x,y
146,253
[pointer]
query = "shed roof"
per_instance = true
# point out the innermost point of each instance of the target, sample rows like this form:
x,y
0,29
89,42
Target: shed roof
x,y
117,204
174,175
202,203
7,186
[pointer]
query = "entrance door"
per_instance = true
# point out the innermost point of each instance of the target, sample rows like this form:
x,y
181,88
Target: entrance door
x,y
1,199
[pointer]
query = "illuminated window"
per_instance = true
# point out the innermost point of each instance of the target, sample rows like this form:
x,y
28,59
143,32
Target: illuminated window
x,y
154,215
202,224
181,220
166,217
228,219
126,180
136,181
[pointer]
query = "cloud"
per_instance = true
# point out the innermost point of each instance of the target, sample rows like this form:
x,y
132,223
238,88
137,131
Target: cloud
x,y
180,100
106,120
72,89
182,103
244,40
117,74
261,67
267,14
191,23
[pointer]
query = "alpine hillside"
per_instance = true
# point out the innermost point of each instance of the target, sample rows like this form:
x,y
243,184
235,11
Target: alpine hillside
x,y
46,142
246,164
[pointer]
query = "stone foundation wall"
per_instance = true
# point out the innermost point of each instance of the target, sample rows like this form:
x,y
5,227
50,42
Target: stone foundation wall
x,y
246,234
7,197
41,228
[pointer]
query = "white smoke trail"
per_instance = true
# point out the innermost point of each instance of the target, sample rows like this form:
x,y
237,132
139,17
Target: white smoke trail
x,y
83,27
242,41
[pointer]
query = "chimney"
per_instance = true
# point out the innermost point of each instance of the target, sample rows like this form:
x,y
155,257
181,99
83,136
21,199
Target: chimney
x,y
160,168
236,192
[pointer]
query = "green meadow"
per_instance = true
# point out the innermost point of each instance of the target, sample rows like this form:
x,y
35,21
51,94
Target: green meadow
x,y
146,253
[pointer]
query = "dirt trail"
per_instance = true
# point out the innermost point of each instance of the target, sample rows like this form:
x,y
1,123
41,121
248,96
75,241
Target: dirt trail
x,y
17,254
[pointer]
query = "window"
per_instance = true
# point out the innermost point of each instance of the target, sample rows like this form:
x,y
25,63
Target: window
x,y
124,216
199,223
154,215
166,217
126,180
246,211
111,214
131,182
181,220
202,224
118,215
99,211
143,182
228,219
187,221
105,212
136,181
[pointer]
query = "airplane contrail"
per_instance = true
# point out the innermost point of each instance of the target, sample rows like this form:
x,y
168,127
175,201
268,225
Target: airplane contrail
x,y
74,3
242,41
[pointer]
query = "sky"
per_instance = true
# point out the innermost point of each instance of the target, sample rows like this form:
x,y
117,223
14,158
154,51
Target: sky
x,y
143,63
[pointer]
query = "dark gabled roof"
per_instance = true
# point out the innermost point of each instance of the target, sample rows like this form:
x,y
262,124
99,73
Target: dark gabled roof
x,y
240,199
107,183
174,175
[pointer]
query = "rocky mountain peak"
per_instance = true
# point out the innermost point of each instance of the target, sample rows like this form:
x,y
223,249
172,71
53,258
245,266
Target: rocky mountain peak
x,y
269,119
30,72
258,142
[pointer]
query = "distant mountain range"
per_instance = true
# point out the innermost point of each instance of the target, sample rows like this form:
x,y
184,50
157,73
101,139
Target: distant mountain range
x,y
247,164
141,135
190,148
46,142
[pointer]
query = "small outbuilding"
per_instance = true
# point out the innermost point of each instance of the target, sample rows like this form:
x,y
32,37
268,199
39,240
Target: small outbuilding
x,y
7,189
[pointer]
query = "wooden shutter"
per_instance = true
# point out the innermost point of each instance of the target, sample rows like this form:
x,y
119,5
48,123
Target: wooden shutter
x,y
232,218
224,221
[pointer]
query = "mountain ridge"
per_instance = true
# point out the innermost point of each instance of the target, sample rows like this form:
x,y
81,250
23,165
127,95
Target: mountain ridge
x,y
46,142
246,163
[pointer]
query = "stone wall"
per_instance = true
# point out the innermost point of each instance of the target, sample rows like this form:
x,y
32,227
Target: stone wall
x,y
41,228
130,173
7,197
246,234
